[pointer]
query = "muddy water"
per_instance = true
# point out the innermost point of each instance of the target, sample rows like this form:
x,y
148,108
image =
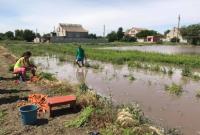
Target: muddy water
x,y
148,90
184,49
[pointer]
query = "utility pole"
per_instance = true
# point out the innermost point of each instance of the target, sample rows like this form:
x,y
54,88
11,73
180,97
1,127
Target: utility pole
x,y
104,30
178,27
36,32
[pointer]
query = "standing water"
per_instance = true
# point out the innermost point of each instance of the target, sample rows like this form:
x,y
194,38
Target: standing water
x,y
165,49
148,89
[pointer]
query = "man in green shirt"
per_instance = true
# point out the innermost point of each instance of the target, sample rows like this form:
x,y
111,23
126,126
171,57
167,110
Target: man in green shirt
x,y
80,56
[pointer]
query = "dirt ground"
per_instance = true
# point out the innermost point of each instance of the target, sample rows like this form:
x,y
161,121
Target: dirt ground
x,y
11,93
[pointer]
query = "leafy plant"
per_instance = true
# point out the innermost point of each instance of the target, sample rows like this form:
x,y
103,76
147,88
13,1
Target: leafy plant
x,y
82,119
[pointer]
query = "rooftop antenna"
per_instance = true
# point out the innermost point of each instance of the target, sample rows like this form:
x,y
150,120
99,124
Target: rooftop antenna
x,y
104,30
178,27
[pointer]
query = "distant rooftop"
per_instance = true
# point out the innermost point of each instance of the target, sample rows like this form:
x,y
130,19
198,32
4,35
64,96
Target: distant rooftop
x,y
72,27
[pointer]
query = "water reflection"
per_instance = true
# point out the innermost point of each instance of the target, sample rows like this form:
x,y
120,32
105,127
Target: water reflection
x,y
81,74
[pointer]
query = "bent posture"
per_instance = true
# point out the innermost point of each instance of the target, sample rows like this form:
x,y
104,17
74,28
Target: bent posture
x,y
23,65
80,56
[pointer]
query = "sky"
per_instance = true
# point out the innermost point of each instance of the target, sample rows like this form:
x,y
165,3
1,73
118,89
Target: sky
x,y
44,15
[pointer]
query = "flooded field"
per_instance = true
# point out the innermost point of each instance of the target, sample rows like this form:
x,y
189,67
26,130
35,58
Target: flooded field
x,y
161,49
148,89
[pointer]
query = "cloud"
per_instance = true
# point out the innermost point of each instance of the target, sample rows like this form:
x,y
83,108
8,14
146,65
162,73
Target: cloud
x,y
44,15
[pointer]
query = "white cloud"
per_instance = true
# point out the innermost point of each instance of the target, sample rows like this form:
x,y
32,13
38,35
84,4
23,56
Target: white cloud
x,y
44,15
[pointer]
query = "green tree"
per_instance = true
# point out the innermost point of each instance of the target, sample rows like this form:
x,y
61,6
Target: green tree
x,y
28,35
120,34
191,33
92,36
166,32
2,36
127,38
112,36
145,33
9,35
19,34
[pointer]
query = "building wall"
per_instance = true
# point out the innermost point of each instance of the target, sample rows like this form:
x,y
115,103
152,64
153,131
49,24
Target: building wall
x,y
60,32
76,34
79,40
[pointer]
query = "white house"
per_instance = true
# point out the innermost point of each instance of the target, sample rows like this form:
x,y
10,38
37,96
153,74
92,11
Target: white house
x,y
133,31
71,31
175,33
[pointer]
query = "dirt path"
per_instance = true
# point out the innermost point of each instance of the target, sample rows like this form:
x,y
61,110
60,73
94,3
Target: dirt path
x,y
10,93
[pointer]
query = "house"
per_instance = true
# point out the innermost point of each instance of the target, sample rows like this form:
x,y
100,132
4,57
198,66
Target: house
x,y
174,33
37,40
71,31
153,39
133,31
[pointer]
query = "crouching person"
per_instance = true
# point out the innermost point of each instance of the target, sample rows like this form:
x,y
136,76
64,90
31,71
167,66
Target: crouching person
x,y
23,65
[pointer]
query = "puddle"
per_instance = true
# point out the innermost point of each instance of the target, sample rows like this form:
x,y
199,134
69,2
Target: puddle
x,y
148,90
166,49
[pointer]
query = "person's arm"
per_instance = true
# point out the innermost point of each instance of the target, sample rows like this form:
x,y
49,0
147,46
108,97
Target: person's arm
x,y
30,64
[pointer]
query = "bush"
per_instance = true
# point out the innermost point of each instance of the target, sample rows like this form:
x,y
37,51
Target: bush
x,y
129,39
112,36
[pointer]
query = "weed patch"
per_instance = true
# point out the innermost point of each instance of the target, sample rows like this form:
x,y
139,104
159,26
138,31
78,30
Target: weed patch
x,y
174,89
47,76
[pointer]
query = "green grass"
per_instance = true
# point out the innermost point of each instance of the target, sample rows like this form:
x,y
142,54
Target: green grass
x,y
47,76
174,89
82,119
114,56
2,115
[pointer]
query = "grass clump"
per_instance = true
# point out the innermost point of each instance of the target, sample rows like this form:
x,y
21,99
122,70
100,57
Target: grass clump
x,y
82,119
48,76
11,68
170,71
174,89
62,58
186,71
130,77
198,94
2,115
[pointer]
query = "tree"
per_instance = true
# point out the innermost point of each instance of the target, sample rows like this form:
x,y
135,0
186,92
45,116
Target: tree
x,y
112,36
2,36
92,36
145,33
19,34
191,33
127,38
120,33
9,35
166,32
28,35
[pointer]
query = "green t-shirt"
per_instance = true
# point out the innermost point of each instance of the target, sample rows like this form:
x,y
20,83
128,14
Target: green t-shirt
x,y
80,53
